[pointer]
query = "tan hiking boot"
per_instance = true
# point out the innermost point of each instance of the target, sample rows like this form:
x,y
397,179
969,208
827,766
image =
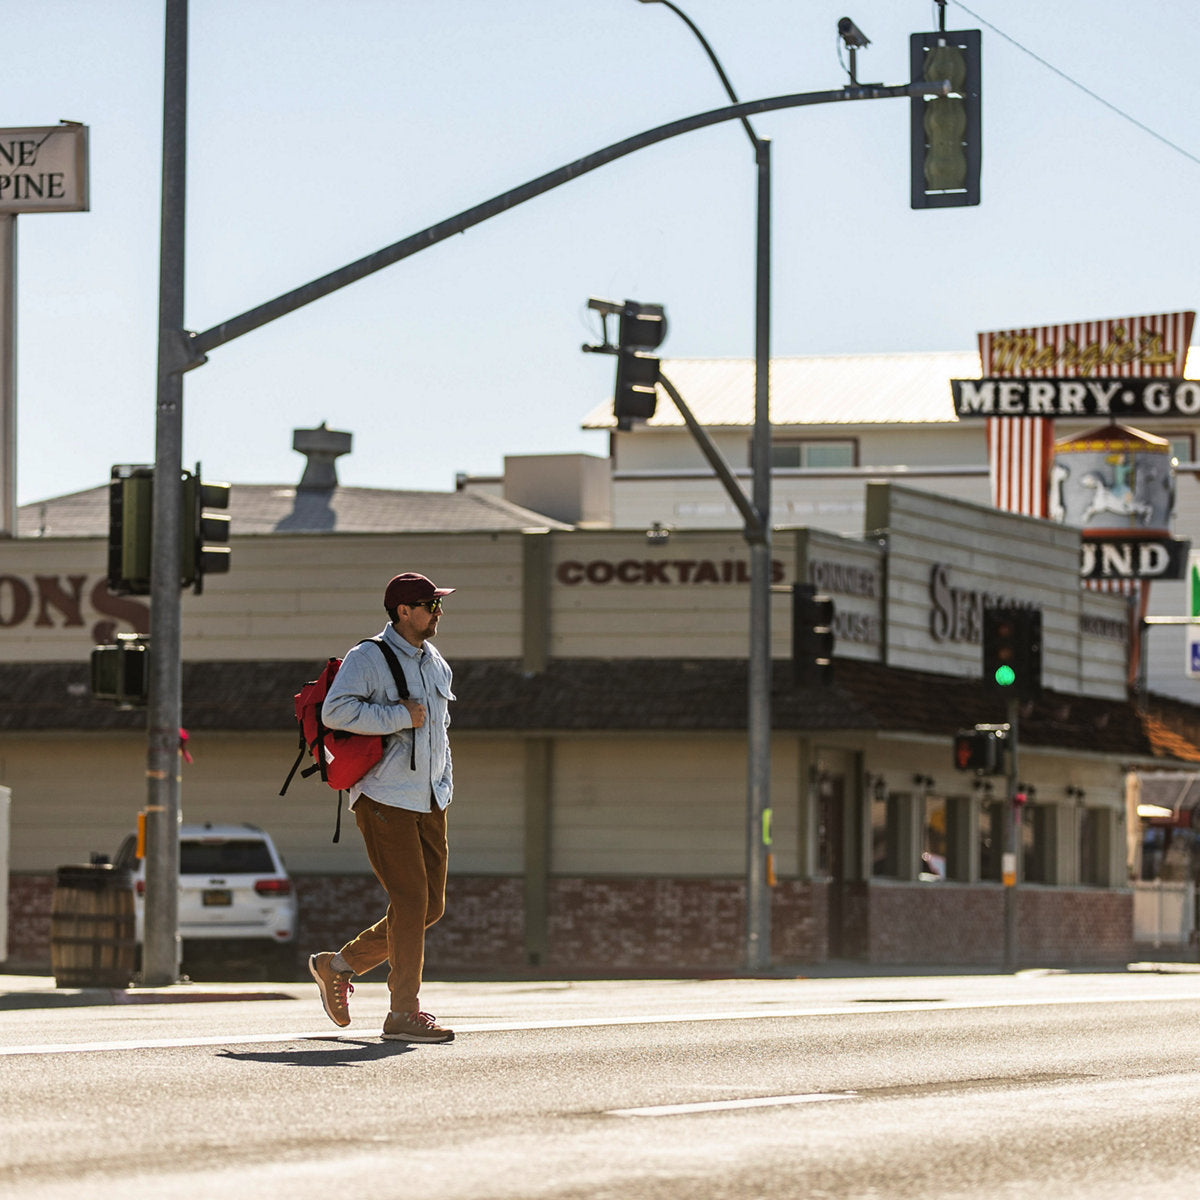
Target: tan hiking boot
x,y
335,987
415,1027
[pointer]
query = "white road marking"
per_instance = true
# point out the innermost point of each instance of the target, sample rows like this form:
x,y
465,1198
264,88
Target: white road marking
x,y
860,1008
671,1110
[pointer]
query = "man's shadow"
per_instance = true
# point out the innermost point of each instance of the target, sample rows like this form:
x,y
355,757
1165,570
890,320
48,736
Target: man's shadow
x,y
341,1053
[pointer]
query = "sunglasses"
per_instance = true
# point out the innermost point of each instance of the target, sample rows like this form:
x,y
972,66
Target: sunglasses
x,y
434,605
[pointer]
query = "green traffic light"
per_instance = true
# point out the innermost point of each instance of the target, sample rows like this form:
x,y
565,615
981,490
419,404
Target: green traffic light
x,y
1005,676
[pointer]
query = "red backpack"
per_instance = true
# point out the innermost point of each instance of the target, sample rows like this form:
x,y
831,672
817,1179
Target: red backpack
x,y
345,757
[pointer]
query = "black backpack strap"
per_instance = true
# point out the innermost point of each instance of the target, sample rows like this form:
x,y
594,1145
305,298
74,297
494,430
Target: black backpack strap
x,y
401,686
292,772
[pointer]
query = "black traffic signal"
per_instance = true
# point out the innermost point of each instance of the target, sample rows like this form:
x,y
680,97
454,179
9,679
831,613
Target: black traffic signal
x,y
205,549
812,636
946,131
642,327
130,499
203,536
980,749
1012,651
120,673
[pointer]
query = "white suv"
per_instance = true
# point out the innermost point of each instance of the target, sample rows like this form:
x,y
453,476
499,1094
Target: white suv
x,y
233,890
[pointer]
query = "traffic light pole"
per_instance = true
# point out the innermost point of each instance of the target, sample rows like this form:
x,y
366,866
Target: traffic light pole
x,y
218,335
1010,868
160,946
757,532
758,717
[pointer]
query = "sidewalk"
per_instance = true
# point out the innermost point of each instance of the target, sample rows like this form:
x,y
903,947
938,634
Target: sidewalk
x,y
39,991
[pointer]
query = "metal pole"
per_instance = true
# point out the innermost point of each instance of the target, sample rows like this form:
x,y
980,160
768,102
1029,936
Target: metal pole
x,y
1012,842
160,948
758,892
752,526
758,535
8,375
201,343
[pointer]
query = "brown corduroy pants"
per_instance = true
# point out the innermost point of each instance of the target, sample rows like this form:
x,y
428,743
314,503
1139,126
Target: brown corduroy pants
x,y
408,853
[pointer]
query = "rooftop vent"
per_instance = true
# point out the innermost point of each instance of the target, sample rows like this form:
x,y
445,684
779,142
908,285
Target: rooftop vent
x,y
323,447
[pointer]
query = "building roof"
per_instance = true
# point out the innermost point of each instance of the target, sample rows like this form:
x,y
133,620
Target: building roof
x,y
840,389
845,389
634,695
262,508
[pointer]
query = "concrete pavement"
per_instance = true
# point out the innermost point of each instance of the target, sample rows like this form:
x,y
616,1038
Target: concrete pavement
x,y
32,991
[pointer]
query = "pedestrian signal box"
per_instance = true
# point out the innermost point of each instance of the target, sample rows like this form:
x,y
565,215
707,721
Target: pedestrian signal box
x,y
980,749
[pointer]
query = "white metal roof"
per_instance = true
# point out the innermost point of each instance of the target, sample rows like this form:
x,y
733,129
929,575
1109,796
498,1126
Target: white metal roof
x,y
844,389
839,389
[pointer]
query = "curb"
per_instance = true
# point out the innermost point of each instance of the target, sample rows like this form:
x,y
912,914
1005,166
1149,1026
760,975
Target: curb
x,y
91,997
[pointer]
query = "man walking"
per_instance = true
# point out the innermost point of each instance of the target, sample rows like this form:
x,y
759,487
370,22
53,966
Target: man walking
x,y
399,805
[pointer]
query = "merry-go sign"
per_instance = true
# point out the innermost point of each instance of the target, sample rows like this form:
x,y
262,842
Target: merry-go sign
x,y
1115,483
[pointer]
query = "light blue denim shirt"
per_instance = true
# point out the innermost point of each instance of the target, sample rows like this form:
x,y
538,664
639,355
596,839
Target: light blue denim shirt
x,y
364,699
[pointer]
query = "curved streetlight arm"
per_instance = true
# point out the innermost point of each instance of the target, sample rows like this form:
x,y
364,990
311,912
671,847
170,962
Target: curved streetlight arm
x,y
713,59
198,344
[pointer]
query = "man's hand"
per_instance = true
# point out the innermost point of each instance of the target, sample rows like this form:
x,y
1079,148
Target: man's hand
x,y
416,711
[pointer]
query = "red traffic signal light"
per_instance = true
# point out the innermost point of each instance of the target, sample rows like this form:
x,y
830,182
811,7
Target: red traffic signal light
x,y
980,749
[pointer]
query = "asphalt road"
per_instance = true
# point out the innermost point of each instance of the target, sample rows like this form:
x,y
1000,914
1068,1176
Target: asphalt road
x,y
954,1086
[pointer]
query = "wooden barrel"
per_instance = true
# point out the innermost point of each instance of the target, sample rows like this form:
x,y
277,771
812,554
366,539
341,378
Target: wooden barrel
x,y
92,931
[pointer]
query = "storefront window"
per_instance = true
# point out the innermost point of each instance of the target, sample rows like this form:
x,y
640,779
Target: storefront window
x,y
1169,853
991,840
831,826
885,834
933,840
1037,843
1090,840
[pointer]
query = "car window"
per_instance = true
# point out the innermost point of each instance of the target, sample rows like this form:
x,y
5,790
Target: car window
x,y
126,859
244,856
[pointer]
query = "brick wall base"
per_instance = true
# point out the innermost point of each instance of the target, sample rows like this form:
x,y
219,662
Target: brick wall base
x,y
964,925
29,920
631,924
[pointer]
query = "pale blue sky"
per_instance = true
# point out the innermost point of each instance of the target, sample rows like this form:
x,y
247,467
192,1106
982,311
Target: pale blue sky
x,y
320,132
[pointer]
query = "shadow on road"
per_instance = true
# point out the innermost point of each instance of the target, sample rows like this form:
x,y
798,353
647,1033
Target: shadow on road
x,y
339,1053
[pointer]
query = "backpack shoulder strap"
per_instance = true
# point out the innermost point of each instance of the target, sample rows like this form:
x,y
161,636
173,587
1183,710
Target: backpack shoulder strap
x,y
401,686
394,663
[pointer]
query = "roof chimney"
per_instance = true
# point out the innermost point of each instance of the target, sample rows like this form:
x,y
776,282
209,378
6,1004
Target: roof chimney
x,y
322,446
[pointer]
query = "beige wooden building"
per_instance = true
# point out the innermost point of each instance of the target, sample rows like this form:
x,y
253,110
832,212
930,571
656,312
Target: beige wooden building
x,y
599,736
837,422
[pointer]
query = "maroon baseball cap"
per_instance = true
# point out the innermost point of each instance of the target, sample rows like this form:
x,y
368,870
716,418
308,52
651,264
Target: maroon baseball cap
x,y
411,588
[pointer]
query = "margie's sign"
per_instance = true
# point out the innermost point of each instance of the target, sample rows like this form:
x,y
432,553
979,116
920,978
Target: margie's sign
x,y
1078,396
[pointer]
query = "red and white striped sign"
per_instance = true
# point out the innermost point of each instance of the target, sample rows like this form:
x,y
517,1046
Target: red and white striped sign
x,y
1020,449
1019,454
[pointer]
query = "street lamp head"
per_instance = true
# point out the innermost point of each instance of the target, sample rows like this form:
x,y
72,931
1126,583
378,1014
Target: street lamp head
x,y
851,34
